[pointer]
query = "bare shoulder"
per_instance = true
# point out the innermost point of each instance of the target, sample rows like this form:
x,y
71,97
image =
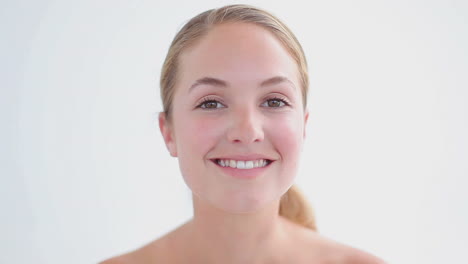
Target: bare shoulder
x,y
123,259
132,257
317,248
333,252
160,250
150,253
357,256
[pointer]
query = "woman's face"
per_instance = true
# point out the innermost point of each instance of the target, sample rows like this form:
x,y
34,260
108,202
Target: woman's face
x,y
237,99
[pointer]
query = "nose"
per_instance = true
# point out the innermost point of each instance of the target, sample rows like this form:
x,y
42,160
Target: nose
x,y
246,127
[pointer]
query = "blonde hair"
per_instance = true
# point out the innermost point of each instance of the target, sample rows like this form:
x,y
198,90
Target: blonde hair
x,y
293,205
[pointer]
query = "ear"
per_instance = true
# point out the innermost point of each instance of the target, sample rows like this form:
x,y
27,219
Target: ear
x,y
306,117
167,133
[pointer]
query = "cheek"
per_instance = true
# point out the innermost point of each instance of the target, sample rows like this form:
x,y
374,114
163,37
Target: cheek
x,y
197,136
286,134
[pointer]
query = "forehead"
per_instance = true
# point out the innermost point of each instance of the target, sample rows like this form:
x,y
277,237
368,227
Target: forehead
x,y
238,53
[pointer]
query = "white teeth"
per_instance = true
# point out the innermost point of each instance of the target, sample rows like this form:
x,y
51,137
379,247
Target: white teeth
x,y
241,164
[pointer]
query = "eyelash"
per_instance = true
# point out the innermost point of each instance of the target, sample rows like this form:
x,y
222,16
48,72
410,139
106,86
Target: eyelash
x,y
281,99
213,100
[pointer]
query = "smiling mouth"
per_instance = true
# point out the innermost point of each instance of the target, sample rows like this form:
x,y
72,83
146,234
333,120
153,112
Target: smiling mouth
x,y
242,164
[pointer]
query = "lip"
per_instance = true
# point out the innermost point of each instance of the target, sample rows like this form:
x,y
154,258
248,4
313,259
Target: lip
x,y
244,157
246,174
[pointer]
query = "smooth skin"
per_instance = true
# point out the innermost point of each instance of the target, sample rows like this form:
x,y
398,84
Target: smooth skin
x,y
238,93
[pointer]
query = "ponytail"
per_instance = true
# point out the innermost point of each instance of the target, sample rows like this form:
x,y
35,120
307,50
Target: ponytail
x,y
294,207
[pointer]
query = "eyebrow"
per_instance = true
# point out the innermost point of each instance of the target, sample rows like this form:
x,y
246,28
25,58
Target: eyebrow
x,y
208,81
220,83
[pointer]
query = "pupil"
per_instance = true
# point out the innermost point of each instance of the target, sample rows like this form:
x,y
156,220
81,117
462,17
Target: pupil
x,y
211,104
274,103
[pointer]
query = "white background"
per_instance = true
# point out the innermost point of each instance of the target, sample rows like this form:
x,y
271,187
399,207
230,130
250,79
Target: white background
x,y
85,174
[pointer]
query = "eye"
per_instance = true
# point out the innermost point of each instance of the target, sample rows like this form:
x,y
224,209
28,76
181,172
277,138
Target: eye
x,y
276,102
209,103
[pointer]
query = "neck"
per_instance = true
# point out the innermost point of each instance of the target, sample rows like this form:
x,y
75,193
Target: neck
x,y
217,236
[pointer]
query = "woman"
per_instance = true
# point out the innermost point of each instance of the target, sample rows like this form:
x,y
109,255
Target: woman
x,y
234,88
